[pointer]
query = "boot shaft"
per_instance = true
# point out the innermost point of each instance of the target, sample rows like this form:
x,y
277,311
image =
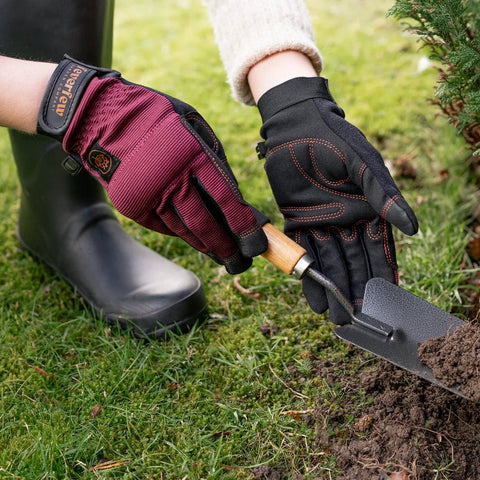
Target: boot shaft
x,y
45,30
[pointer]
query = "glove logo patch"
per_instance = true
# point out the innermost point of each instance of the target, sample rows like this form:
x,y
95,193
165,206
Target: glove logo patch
x,y
102,162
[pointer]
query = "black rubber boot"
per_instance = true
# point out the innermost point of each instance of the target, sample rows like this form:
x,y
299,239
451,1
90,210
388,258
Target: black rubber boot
x,y
66,221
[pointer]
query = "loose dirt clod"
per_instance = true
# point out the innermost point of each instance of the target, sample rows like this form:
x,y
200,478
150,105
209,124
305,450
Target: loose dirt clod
x,y
455,359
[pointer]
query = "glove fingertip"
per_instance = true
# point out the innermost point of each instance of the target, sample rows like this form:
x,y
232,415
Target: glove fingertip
x,y
254,244
315,295
237,265
401,215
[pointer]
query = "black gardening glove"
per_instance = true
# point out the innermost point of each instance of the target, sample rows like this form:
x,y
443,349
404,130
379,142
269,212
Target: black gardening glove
x,y
333,188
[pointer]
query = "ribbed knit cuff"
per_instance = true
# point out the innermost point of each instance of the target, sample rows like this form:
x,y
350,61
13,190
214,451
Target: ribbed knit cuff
x,y
246,31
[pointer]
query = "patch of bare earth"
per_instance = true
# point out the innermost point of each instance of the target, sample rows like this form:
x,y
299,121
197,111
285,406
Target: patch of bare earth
x,y
410,427
382,423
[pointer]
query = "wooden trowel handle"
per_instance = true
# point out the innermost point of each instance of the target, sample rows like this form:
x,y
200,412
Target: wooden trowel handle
x,y
292,258
282,251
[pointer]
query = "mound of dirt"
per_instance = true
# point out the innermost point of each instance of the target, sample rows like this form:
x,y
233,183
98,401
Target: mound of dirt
x,y
410,426
383,423
455,359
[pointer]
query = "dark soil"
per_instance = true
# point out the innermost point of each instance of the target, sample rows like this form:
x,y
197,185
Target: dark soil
x,y
410,426
455,359
382,423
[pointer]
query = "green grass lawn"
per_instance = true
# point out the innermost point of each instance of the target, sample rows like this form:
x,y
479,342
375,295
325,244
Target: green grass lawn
x,y
215,404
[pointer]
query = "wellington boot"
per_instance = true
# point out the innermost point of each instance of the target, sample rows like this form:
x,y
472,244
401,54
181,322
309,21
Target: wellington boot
x,y
67,221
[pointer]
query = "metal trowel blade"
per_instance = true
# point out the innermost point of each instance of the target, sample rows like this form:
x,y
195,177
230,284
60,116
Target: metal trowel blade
x,y
413,320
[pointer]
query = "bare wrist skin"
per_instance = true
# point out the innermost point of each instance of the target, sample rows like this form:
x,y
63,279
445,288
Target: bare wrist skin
x,y
276,69
22,85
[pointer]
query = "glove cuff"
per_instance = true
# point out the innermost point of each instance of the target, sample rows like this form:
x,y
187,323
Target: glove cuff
x,y
63,94
291,92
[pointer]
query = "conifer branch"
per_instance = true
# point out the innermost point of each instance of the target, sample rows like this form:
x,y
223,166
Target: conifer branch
x,y
449,29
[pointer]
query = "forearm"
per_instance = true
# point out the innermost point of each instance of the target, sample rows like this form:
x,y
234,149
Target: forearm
x,y
276,69
22,85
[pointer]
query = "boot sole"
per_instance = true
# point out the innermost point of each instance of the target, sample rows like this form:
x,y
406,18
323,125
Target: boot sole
x,y
163,333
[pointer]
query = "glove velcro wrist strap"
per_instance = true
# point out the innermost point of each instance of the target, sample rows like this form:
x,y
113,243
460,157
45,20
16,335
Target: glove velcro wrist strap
x,y
63,94
291,92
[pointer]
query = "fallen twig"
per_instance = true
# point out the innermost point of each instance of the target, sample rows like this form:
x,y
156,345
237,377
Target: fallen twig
x,y
297,412
245,291
297,394
107,465
41,371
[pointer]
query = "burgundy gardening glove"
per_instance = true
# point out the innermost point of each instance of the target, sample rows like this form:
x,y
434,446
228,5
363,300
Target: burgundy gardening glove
x,y
337,197
158,159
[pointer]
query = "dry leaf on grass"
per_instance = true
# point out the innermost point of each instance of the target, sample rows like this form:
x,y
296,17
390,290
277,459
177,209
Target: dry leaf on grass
x,y
442,176
96,409
404,166
473,248
268,329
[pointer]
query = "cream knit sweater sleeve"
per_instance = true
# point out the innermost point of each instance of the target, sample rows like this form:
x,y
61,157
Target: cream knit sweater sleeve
x,y
248,30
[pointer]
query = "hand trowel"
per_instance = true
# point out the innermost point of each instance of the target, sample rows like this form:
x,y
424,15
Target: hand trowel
x,y
392,323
